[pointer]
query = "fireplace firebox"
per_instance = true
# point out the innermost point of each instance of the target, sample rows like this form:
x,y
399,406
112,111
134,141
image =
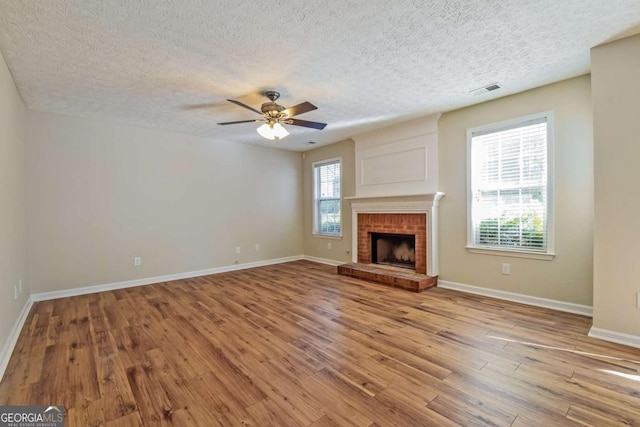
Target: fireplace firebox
x,y
398,250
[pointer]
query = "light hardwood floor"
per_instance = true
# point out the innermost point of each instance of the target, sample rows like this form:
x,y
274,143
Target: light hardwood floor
x,y
297,345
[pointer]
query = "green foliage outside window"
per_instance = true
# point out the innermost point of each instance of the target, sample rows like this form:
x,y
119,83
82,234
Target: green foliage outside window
x,y
329,211
330,227
525,232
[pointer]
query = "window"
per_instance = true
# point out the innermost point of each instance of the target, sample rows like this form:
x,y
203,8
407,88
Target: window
x,y
509,186
326,198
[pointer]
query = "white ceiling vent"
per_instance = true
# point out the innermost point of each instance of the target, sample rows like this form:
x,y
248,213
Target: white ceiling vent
x,y
486,89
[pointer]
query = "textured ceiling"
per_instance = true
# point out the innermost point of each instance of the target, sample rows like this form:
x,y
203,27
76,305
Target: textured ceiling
x,y
365,64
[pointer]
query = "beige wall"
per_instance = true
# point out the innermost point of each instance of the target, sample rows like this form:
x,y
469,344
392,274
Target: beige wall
x,y
318,246
616,99
568,277
102,193
13,254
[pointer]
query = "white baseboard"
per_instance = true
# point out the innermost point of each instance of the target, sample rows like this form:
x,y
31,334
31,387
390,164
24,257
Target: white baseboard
x,y
569,307
323,260
616,337
43,296
12,339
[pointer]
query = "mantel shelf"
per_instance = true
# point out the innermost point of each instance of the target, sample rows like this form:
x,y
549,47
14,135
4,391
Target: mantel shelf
x,y
435,196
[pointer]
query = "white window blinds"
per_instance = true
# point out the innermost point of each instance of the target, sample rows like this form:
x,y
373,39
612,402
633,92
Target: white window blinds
x,y
327,176
509,186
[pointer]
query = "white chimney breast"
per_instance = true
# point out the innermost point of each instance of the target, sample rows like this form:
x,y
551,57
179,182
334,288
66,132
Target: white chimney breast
x,y
398,160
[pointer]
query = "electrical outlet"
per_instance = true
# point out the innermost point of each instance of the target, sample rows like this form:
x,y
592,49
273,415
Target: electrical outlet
x,y
137,261
15,291
329,245
257,247
20,285
237,249
506,268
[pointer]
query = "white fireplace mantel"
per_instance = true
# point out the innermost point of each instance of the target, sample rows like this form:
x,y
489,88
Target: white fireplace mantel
x,y
406,204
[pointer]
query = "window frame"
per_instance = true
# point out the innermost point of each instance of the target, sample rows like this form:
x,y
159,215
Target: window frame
x,y
315,199
547,255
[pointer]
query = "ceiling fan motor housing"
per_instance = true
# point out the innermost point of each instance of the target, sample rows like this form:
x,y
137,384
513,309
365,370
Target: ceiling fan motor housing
x,y
272,108
273,111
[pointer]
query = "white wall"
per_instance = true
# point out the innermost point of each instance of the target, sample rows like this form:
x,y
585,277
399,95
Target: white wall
x,y
616,99
101,193
12,206
568,277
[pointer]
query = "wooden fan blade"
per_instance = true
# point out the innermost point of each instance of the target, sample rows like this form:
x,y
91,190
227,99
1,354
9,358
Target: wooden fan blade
x,y
307,124
244,106
305,107
241,121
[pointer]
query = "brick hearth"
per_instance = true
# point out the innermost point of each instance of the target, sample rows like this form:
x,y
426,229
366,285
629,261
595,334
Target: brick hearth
x,y
404,279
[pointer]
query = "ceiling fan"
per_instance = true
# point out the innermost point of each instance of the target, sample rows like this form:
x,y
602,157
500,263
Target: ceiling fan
x,y
275,115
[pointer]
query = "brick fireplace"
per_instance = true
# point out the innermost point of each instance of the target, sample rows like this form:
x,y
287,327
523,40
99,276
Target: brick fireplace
x,y
414,215
393,223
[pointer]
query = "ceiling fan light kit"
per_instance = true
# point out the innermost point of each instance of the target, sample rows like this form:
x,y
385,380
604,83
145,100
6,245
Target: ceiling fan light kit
x,y
272,131
275,115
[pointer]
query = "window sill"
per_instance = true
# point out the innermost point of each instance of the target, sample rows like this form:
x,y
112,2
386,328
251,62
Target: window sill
x,y
545,256
328,236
